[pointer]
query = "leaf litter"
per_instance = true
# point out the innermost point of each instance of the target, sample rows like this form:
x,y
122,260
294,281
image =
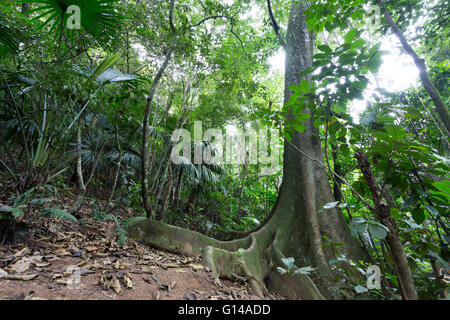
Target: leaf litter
x,y
58,252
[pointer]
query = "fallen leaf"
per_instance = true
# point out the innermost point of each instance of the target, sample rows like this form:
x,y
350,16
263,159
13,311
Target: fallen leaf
x,y
101,254
91,249
128,282
61,281
20,277
20,266
116,285
196,267
96,265
62,252
43,265
56,276
22,252
82,262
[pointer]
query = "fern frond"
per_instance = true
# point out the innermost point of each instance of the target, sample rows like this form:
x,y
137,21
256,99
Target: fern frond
x,y
132,221
58,214
41,201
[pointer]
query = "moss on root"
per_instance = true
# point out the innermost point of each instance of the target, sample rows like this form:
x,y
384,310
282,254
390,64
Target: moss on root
x,y
256,262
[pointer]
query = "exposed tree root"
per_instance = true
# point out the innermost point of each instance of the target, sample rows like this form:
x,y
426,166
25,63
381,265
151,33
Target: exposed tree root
x,y
253,258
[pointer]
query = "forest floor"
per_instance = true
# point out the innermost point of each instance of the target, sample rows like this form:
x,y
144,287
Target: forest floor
x,y
63,260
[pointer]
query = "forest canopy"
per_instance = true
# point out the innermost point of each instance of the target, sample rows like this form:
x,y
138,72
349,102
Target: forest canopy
x,y
293,145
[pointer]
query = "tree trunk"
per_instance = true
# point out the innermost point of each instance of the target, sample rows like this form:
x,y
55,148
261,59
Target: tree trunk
x,y
80,180
382,213
145,154
295,228
423,73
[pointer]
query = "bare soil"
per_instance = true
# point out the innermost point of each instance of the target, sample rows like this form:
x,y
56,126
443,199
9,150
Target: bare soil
x,y
63,260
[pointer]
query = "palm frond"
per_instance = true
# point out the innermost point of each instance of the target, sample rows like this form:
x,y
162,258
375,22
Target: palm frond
x,y
99,18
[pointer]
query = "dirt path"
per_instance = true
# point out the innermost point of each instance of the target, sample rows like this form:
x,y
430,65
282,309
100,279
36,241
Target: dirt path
x,y
63,260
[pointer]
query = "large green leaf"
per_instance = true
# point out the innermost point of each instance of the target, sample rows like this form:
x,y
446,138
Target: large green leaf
x,y
99,18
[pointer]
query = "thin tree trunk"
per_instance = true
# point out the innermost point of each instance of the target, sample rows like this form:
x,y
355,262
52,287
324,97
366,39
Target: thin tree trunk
x,y
119,162
168,193
420,63
336,168
178,187
382,213
145,155
79,168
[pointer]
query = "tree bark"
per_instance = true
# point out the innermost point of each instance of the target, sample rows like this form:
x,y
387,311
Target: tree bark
x,y
79,169
382,213
145,155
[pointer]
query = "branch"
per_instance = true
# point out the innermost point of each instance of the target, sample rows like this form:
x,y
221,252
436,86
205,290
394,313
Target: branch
x,y
172,26
275,26
208,18
420,64
225,17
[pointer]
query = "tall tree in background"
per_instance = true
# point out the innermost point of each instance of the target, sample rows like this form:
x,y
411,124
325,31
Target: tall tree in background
x,y
295,228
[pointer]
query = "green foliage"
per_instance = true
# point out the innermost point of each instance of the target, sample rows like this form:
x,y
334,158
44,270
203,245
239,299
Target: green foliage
x,y
57,214
99,18
291,268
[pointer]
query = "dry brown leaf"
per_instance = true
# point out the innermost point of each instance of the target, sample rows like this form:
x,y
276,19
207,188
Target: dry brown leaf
x,y
26,277
22,252
128,282
116,285
61,281
96,265
147,269
83,262
62,252
56,276
43,265
91,249
20,266
101,254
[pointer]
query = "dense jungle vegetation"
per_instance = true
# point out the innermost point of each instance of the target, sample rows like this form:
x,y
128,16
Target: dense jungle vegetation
x,y
91,95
